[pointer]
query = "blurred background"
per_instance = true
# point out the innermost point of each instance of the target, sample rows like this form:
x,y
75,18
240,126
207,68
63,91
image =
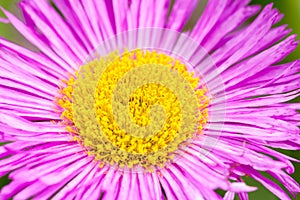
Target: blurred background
x,y
291,11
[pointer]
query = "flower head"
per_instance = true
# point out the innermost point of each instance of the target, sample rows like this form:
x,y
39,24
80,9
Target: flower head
x,y
120,103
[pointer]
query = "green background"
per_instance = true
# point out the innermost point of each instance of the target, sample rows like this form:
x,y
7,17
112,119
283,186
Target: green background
x,y
291,10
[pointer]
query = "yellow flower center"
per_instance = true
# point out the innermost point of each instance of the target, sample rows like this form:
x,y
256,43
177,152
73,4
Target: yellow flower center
x,y
134,109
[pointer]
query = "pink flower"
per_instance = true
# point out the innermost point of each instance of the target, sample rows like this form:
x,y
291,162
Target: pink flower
x,y
63,141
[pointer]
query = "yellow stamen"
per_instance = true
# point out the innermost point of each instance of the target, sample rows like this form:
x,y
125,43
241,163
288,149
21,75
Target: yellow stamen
x,y
134,109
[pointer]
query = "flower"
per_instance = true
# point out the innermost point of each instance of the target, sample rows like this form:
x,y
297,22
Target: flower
x,y
80,116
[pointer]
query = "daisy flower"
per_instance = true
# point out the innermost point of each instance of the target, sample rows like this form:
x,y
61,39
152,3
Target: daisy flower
x,y
119,101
